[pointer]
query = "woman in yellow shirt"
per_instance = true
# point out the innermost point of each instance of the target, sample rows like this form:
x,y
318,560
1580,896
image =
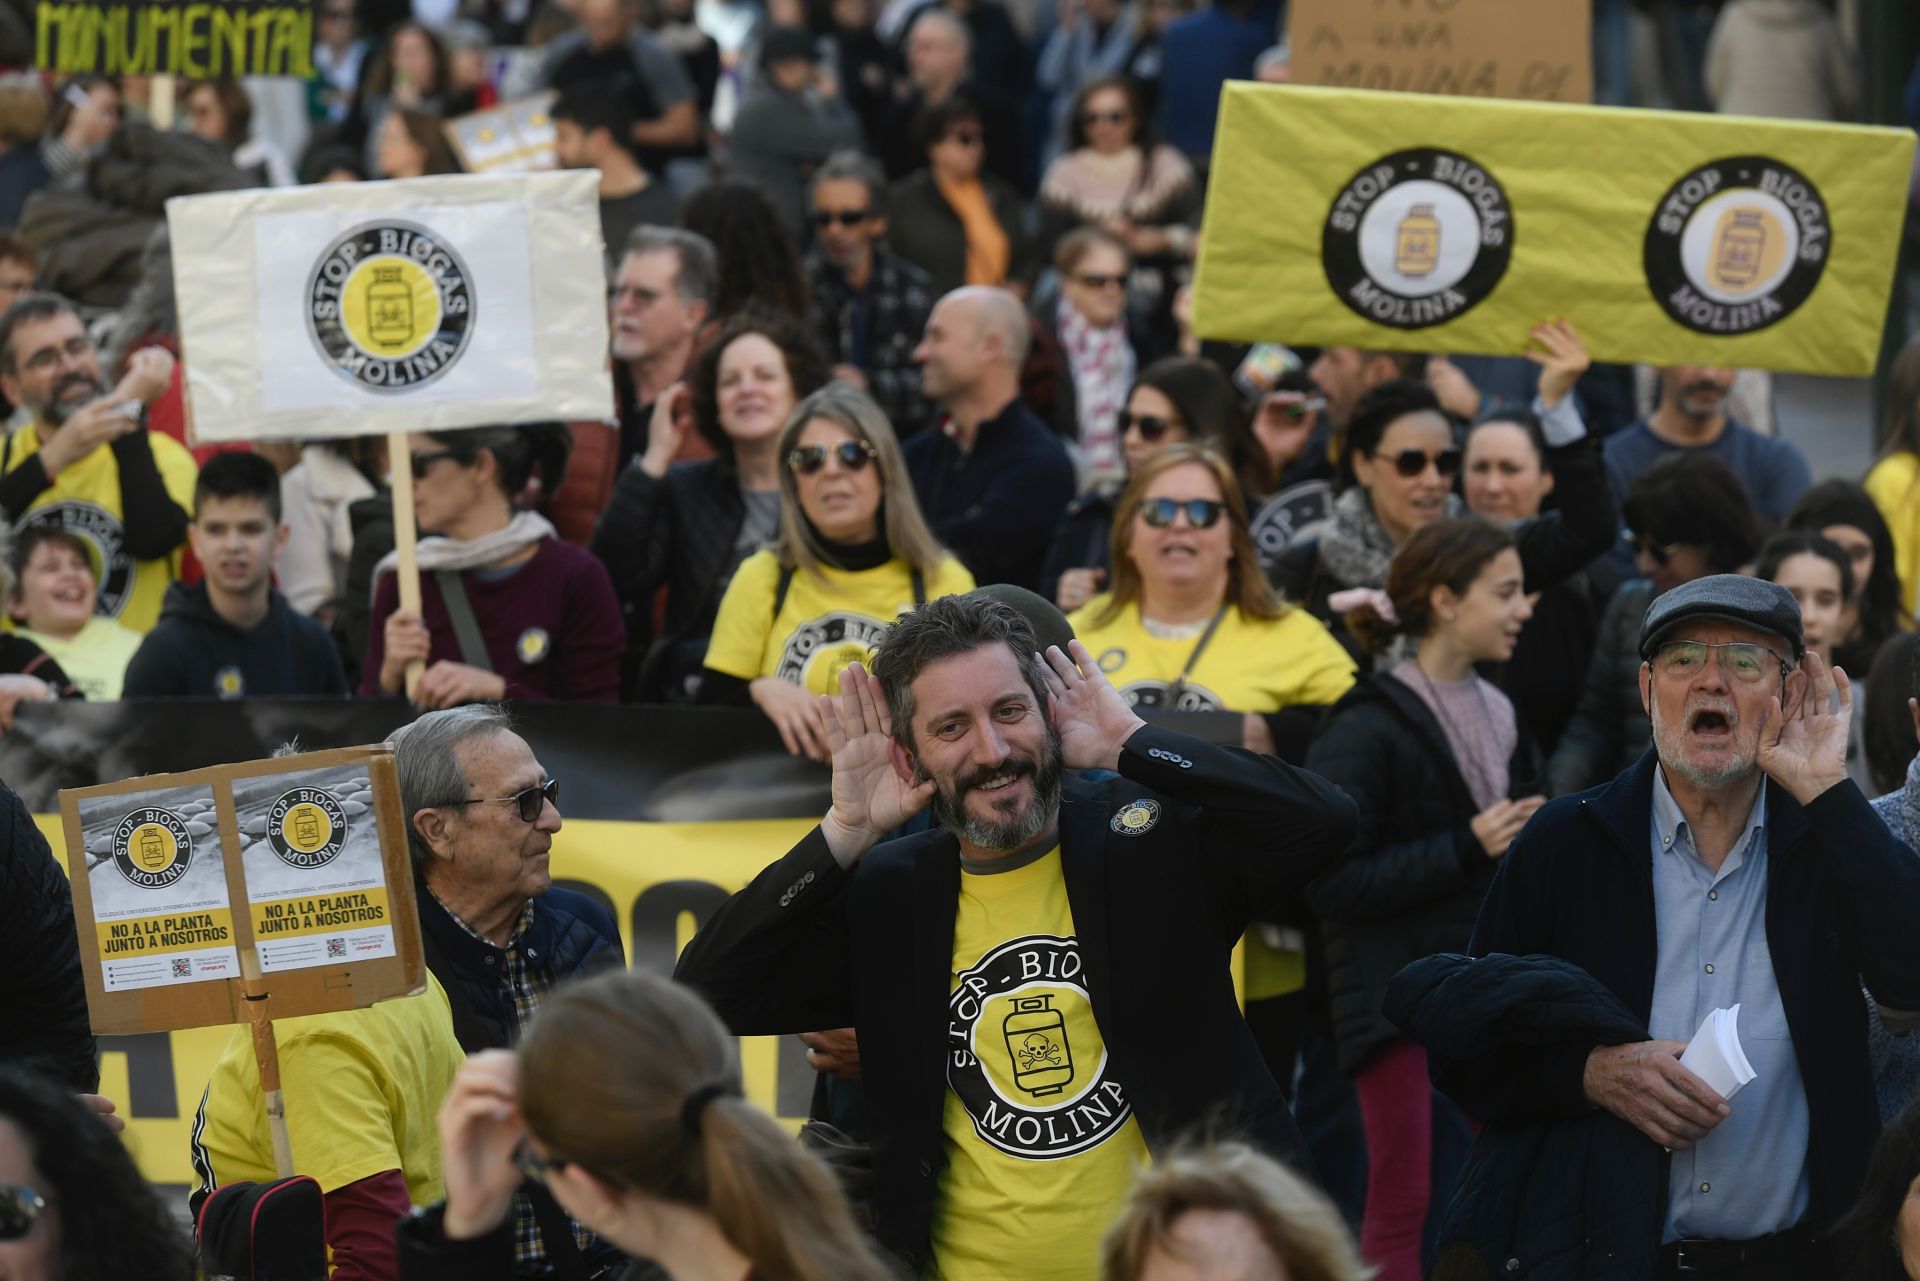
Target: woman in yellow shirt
x,y
1894,482
853,554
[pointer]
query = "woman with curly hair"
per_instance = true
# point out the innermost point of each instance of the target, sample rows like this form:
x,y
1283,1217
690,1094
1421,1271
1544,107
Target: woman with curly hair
x,y
687,526
759,266
73,1206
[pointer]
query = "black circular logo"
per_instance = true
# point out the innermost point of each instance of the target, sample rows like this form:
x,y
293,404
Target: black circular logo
x,y
390,305
307,828
1737,245
820,647
1159,694
1417,238
152,848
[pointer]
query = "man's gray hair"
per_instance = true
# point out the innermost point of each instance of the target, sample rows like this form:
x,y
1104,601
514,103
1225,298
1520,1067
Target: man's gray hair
x,y
854,166
947,17
429,769
948,627
698,279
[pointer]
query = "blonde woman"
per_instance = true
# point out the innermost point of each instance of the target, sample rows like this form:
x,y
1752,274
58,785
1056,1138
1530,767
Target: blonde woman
x,y
853,553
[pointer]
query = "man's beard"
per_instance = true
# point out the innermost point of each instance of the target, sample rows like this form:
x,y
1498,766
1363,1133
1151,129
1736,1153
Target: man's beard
x,y
1004,834
56,409
1670,747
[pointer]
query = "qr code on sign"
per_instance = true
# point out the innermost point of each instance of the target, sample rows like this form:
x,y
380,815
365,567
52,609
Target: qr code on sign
x,y
336,948
182,967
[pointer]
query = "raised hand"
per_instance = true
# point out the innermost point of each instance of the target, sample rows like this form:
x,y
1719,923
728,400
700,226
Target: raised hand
x,y
480,1136
1562,358
794,713
149,372
1803,745
875,789
1088,713
667,429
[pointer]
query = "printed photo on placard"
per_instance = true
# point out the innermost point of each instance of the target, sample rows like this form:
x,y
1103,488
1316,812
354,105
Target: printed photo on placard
x,y
316,890
159,886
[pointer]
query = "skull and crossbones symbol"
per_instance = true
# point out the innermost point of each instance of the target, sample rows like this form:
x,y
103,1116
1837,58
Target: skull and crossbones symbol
x,y
1037,1049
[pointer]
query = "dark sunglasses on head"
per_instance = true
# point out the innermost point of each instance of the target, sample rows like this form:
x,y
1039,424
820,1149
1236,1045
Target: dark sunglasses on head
x,y
808,459
845,217
20,1206
1093,281
1105,117
1150,426
421,462
1658,553
1202,513
530,800
1414,462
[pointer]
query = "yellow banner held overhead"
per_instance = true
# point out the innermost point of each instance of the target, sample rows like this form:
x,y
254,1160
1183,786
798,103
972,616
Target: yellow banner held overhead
x,y
1418,223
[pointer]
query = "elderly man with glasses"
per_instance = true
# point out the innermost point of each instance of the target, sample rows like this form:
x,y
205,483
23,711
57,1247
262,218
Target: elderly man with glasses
x,y
481,818
1733,867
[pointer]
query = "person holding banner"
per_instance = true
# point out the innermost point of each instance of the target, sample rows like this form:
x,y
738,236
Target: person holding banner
x,y
852,554
1022,1051
508,610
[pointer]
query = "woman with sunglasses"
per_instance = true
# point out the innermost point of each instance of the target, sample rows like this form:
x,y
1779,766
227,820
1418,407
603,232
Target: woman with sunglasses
x,y
853,553
663,1157
1445,777
1084,310
954,221
1174,400
507,609
685,527
1844,513
73,1205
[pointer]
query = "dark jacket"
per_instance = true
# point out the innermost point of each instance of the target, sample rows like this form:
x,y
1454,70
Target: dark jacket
x,y
1610,728
676,532
809,945
192,652
1082,540
1570,1198
426,1254
994,506
1842,896
895,306
925,230
570,935
43,1020
1411,882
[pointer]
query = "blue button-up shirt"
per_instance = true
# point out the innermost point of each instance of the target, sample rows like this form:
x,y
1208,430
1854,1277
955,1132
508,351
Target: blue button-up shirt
x,y
1748,1177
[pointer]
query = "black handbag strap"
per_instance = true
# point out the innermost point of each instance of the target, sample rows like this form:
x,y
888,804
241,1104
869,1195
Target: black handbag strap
x,y
466,627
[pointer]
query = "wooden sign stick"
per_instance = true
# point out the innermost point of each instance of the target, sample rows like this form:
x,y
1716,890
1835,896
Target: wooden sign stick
x,y
400,482
266,1055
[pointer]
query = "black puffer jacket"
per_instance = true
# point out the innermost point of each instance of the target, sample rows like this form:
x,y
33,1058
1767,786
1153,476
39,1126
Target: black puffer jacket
x,y
43,1005
1411,883
1610,730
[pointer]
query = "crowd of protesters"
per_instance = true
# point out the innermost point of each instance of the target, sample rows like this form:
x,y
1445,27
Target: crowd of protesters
x,y
917,456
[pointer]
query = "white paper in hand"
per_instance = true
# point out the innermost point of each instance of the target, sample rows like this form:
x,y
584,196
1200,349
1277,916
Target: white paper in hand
x,y
1714,1055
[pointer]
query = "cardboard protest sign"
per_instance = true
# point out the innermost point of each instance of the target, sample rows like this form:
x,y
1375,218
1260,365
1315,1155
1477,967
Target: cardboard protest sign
x,y
285,880
423,305
1419,223
205,39
1538,49
514,137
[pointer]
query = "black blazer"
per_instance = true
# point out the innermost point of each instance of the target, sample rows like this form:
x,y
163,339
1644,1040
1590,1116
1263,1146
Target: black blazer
x,y
808,946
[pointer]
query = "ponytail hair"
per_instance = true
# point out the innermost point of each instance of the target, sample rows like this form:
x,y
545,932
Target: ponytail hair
x,y
1448,553
668,1120
519,453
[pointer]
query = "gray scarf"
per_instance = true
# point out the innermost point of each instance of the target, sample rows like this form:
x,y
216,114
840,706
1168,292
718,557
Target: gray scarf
x,y
1354,547
436,553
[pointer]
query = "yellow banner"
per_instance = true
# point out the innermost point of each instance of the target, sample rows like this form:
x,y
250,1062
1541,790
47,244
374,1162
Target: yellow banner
x,y
1420,223
175,932
309,914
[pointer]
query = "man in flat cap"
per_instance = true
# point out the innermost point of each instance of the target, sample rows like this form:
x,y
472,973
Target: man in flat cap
x,y
1733,865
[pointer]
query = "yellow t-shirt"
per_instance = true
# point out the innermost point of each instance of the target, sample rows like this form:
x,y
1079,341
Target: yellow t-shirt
x,y
1894,486
1249,665
362,1089
822,626
1040,1139
95,659
85,499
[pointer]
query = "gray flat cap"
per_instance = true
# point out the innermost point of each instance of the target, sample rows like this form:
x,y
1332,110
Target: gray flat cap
x,y
1726,598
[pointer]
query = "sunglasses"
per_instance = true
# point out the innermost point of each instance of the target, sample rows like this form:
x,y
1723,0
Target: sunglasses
x,y
531,800
1658,553
1414,462
20,1206
965,137
1100,282
845,217
1295,410
1202,513
808,459
1105,117
421,463
1150,426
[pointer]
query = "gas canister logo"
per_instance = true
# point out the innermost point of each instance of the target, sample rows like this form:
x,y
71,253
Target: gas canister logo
x,y
152,848
390,306
1025,1056
1737,245
307,828
1417,238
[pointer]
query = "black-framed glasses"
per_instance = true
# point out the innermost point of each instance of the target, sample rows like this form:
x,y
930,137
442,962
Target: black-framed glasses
x,y
852,455
1414,462
642,296
20,1208
1150,426
1202,513
1094,281
1105,117
845,217
1748,661
75,348
1658,553
530,800
421,463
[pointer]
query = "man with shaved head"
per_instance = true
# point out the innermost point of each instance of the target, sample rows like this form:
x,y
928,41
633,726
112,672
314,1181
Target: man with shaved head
x,y
992,479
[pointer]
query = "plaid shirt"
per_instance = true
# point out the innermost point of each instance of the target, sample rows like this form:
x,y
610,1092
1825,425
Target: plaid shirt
x,y
528,987
877,330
